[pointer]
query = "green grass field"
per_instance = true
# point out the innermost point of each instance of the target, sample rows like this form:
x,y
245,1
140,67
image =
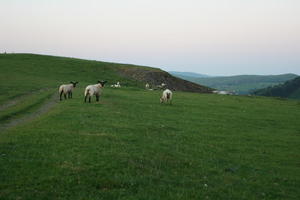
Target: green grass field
x,y
129,146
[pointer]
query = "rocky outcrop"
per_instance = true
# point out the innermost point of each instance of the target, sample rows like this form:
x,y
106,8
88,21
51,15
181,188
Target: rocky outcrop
x,y
156,77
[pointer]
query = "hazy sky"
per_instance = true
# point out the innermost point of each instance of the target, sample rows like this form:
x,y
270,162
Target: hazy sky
x,y
216,37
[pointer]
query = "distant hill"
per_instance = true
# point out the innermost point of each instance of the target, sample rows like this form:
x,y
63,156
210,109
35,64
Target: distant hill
x,y
188,74
243,84
289,89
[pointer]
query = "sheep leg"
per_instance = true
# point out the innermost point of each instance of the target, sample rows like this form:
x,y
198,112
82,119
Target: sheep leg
x,y
89,99
60,95
71,95
65,96
85,98
97,97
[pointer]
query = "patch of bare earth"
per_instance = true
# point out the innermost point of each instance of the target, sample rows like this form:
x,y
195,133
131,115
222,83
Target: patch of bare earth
x,y
157,77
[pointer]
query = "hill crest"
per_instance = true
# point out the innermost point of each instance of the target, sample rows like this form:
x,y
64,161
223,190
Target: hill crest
x,y
53,70
288,89
240,84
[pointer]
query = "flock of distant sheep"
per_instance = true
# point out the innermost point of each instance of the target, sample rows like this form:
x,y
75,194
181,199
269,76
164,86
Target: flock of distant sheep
x,y
95,90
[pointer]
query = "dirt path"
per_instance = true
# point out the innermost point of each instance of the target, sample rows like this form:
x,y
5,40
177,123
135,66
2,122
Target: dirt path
x,y
44,108
7,105
14,101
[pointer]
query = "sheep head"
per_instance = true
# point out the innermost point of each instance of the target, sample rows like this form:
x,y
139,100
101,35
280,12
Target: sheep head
x,y
74,83
102,83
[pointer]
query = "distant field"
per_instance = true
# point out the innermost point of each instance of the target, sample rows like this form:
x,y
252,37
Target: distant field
x,y
289,89
128,146
243,84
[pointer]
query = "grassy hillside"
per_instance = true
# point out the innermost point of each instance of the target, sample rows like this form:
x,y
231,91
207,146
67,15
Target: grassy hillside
x,y
35,72
30,79
128,146
243,84
289,89
31,72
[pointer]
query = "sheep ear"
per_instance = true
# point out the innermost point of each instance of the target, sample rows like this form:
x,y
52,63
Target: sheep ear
x,y
71,81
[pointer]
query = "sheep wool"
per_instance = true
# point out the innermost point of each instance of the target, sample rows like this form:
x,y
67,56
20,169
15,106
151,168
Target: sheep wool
x,y
67,89
92,90
166,96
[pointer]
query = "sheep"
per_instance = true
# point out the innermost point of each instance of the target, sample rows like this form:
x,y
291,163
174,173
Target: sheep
x,y
91,90
166,96
223,92
116,85
147,86
161,86
67,89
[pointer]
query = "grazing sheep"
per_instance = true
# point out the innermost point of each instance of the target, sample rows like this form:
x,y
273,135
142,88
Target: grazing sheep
x,y
166,96
222,92
91,90
147,86
116,85
67,89
161,86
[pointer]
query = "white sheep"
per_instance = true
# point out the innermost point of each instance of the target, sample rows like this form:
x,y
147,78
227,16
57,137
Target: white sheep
x,y
161,86
116,85
67,89
166,96
96,90
147,86
222,92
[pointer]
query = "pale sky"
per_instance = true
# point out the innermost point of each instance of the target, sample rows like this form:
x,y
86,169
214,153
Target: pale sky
x,y
215,37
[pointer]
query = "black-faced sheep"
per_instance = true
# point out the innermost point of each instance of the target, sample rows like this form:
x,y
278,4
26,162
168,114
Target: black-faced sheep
x,y
96,90
67,89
